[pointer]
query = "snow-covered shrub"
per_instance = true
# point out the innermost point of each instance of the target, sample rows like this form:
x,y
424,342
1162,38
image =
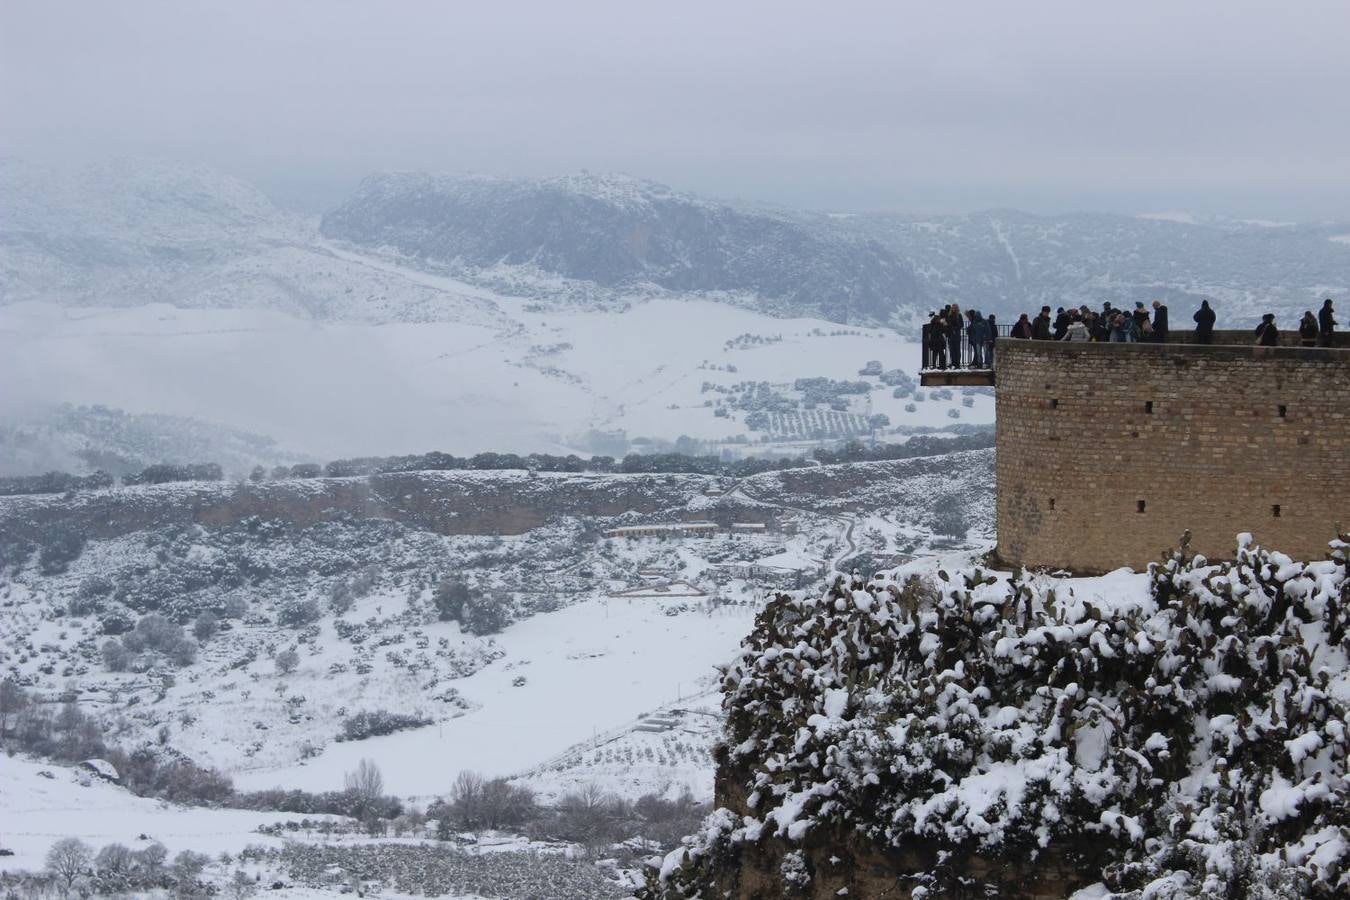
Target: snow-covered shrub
x,y
376,722
299,613
153,637
483,615
205,626
286,661
1194,737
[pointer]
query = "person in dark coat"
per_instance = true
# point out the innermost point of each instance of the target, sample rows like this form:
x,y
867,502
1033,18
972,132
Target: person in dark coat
x,y
1098,328
1267,335
1307,330
1159,322
1022,329
992,321
1204,323
937,334
1326,322
1062,320
926,342
977,331
1142,329
1040,326
954,335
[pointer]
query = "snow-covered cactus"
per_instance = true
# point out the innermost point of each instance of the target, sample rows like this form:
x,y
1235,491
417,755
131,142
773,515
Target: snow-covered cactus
x,y
1193,731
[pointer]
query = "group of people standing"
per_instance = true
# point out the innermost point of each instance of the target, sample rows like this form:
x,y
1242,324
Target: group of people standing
x,y
942,344
1313,331
944,348
1111,325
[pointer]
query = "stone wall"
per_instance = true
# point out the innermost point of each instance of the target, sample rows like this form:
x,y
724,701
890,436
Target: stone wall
x,y
1107,453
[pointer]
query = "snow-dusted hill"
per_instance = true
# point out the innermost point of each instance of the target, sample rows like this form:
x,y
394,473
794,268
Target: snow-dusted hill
x,y
1011,262
570,638
624,233
134,232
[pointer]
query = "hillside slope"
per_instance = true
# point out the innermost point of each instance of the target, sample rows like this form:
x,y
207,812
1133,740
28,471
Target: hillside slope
x,y
165,608
1011,262
624,233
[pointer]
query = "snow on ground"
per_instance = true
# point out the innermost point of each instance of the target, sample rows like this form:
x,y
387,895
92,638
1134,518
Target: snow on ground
x,y
587,669
38,811
520,377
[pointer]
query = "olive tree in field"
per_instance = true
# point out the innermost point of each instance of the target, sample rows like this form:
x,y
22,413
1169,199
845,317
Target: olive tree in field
x,y
68,859
287,660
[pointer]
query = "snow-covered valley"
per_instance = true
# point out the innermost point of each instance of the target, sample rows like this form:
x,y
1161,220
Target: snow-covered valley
x,y
581,662
568,380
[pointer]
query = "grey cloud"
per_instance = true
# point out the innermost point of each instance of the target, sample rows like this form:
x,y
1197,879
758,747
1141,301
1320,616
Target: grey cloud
x,y
1239,107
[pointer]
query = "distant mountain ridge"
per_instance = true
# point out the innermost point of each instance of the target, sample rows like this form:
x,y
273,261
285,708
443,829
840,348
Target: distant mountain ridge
x,y
130,232
626,233
1010,262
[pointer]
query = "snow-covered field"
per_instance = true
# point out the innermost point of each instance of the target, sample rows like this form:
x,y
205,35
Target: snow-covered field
x,y
39,809
585,670
524,380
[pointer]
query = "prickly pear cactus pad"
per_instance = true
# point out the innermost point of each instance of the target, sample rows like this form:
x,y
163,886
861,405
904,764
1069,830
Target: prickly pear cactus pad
x,y
1190,723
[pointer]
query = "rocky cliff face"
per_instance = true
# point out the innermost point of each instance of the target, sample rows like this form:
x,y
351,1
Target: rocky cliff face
x,y
620,232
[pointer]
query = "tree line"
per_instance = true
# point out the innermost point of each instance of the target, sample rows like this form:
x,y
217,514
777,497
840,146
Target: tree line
x,y
633,463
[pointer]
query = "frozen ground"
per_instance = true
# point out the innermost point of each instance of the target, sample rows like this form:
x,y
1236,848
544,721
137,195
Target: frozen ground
x,y
38,810
591,668
520,379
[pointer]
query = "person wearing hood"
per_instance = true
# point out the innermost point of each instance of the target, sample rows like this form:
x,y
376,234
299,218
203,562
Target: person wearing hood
x,y
1326,323
1159,322
1204,323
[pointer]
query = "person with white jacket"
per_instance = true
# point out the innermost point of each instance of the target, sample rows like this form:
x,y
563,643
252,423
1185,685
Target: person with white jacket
x,y
1077,331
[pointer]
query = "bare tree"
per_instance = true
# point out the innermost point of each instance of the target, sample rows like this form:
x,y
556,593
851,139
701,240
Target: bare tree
x,y
68,859
366,785
466,796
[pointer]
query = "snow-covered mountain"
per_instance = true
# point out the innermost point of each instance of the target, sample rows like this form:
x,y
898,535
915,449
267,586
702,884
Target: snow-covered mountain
x,y
1012,262
132,232
625,233
129,233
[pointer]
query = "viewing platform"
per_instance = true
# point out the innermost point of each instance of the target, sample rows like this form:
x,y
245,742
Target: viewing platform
x,y
970,374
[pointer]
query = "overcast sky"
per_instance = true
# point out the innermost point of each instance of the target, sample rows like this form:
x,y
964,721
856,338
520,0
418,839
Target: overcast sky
x,y
1234,107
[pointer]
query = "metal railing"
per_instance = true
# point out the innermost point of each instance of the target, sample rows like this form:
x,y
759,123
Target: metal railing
x,y
954,350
